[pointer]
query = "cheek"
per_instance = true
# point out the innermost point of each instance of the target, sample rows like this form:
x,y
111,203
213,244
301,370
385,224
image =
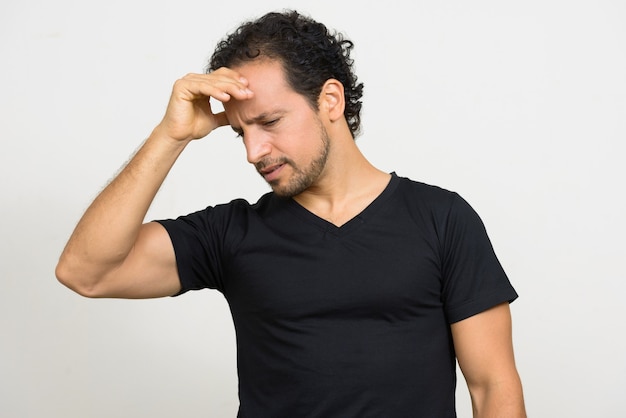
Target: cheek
x,y
300,144
304,132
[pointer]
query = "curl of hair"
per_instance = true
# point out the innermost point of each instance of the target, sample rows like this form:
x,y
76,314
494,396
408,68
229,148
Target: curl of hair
x,y
309,53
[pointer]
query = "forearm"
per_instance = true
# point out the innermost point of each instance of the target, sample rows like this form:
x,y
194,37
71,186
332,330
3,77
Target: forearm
x,y
108,230
111,252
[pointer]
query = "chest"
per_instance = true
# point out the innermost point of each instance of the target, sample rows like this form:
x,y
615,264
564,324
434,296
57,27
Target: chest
x,y
374,269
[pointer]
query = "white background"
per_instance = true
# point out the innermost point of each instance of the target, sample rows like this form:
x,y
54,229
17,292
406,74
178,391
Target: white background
x,y
518,106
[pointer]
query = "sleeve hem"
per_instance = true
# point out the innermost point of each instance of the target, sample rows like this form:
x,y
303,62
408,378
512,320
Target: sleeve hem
x,y
477,306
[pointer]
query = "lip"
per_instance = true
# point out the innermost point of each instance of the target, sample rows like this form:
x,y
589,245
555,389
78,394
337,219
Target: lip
x,y
271,173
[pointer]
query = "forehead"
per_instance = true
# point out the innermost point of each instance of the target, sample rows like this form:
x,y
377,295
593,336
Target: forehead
x,y
264,74
272,92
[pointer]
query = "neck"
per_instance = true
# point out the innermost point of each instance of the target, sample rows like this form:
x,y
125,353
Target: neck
x,y
348,184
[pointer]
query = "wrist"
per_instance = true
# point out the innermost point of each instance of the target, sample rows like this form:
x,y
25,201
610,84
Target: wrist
x,y
162,136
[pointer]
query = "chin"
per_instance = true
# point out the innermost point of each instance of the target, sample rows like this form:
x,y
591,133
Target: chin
x,y
288,190
282,192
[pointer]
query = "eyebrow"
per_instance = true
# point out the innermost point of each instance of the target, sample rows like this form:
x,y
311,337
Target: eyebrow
x,y
262,117
265,116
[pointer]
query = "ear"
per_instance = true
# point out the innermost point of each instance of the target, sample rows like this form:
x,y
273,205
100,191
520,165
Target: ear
x,y
332,100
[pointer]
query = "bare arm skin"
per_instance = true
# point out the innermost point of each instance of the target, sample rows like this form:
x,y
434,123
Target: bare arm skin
x,y
484,349
111,253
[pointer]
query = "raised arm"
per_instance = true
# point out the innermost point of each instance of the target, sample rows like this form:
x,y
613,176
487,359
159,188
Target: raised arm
x,y
484,348
111,253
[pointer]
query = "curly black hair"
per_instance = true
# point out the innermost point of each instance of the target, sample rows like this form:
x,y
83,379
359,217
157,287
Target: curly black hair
x,y
309,53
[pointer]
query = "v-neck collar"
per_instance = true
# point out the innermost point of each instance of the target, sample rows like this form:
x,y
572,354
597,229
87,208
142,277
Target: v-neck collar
x,y
326,226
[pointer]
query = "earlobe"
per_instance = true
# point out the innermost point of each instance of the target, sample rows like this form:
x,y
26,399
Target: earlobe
x,y
332,99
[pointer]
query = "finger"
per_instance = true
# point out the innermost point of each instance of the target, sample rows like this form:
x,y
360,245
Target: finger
x,y
220,85
227,72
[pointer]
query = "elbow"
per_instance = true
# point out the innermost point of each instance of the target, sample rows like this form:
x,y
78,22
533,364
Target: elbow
x,y
499,398
74,280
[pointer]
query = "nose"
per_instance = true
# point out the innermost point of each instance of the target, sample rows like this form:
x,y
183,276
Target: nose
x,y
257,146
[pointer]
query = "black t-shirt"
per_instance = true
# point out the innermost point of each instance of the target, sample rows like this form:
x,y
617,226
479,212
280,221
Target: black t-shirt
x,y
349,321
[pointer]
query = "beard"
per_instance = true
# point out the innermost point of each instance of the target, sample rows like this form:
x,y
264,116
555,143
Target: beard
x,y
302,177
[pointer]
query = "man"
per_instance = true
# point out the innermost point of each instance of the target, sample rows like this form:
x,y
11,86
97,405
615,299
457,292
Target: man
x,y
352,290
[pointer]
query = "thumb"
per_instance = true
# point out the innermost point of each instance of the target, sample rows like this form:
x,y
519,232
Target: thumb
x,y
221,119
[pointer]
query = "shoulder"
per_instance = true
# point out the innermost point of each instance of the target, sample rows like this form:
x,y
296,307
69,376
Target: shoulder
x,y
416,192
440,205
235,208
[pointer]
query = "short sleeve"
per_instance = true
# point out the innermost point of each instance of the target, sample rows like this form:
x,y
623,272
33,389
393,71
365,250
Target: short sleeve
x,y
197,239
473,278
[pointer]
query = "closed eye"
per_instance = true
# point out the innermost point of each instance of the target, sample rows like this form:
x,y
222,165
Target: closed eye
x,y
270,123
261,120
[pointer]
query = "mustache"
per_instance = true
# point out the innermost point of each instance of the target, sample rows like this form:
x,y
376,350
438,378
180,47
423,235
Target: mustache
x,y
269,162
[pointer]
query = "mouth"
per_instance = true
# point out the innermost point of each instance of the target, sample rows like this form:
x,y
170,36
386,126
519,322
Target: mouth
x,y
271,173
